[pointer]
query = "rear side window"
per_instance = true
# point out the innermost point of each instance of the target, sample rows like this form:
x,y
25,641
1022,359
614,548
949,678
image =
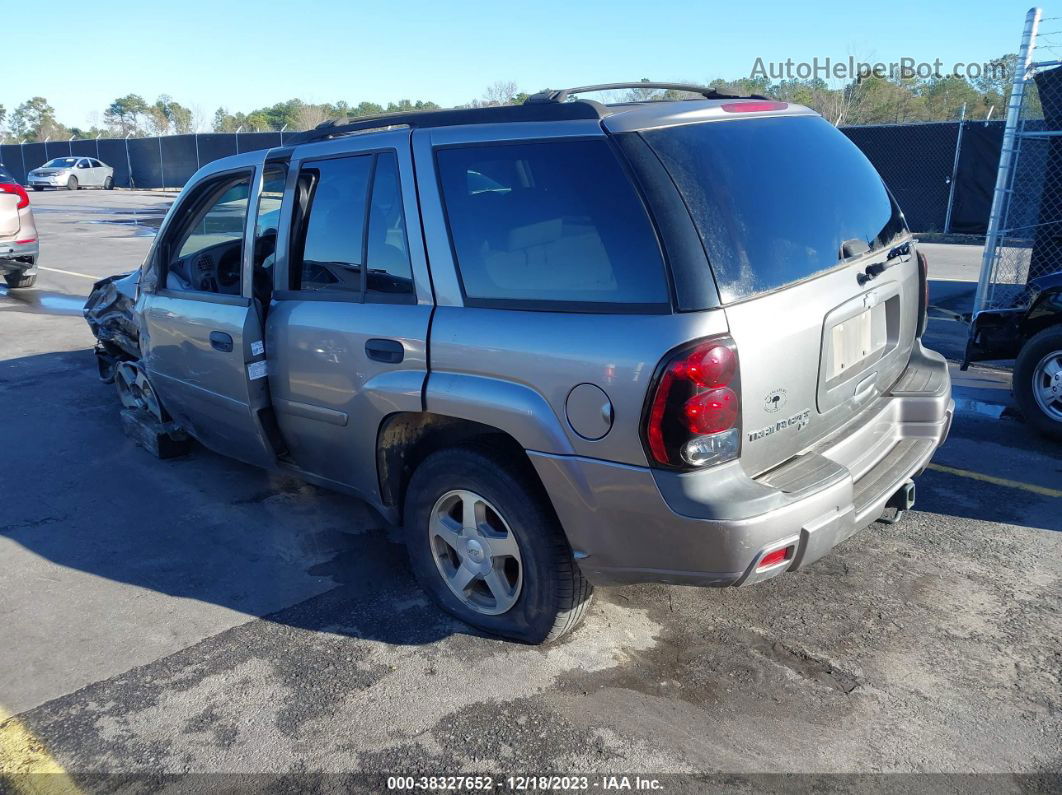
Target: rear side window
x,y
556,223
776,200
350,231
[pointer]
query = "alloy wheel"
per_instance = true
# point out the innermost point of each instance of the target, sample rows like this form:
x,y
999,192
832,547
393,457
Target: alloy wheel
x,y
475,552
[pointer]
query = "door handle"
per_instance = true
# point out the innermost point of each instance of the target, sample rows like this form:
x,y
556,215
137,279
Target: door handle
x,y
389,351
220,341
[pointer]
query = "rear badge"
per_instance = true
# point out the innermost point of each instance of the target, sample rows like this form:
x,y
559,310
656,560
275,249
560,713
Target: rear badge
x,y
797,421
775,401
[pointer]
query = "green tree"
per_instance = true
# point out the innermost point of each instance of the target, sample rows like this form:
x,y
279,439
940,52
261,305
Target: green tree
x,y
124,114
35,118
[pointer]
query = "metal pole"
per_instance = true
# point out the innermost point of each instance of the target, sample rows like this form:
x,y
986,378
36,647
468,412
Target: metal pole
x,y
1006,155
954,170
162,168
197,166
98,146
238,138
46,139
129,161
70,144
988,116
282,133
22,151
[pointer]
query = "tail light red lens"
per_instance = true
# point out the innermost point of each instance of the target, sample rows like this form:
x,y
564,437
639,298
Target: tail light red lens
x,y
712,412
18,190
923,294
693,415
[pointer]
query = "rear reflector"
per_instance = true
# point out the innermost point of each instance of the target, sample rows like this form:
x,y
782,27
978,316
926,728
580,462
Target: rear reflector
x,y
775,557
25,241
753,107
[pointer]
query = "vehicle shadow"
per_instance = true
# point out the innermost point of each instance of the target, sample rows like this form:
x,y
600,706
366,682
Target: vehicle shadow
x,y
201,527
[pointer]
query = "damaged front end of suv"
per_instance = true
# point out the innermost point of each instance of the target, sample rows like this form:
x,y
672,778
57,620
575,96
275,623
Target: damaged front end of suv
x,y
110,313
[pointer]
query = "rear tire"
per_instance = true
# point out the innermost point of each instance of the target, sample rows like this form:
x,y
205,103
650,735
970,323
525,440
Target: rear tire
x,y
1038,392
37,187
17,280
548,595
71,184
108,184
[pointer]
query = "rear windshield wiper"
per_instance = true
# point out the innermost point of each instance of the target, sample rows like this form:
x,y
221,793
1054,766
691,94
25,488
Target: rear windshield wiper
x,y
878,268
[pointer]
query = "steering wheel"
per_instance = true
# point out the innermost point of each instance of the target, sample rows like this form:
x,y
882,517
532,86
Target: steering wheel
x,y
228,267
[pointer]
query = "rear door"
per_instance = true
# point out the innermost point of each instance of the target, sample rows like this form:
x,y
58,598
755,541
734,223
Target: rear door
x,y
202,339
348,325
807,249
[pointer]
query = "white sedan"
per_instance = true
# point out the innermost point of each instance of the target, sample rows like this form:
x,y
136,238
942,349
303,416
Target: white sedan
x,y
72,173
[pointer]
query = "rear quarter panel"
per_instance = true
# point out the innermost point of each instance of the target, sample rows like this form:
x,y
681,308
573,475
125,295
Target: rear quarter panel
x,y
544,355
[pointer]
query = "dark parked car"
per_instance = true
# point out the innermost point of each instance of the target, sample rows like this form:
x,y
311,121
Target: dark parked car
x,y
1030,332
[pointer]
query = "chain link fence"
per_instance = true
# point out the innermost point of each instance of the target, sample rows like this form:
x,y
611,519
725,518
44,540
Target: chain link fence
x,y
1028,228
941,173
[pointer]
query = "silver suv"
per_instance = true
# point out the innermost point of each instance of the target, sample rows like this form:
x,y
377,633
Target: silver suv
x,y
562,343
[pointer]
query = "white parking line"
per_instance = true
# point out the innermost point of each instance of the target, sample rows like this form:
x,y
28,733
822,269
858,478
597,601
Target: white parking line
x,y
70,273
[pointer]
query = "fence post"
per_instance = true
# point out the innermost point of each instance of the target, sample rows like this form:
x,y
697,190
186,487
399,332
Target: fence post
x,y
70,145
238,138
1006,154
954,170
162,168
98,146
197,166
22,151
129,162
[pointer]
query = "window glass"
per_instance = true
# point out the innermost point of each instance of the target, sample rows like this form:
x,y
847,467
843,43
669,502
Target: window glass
x,y
329,245
775,200
388,251
266,225
209,243
222,222
555,222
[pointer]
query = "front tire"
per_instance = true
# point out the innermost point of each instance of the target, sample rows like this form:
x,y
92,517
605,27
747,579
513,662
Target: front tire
x,y
17,280
71,184
484,543
1038,381
37,187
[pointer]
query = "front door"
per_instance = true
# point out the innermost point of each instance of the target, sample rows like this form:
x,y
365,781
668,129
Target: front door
x,y
202,340
346,332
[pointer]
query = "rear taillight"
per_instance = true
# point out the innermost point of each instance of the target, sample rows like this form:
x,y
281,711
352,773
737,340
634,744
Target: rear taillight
x,y
18,190
693,417
923,294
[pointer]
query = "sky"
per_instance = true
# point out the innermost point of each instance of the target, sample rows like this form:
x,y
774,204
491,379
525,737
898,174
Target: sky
x,y
243,55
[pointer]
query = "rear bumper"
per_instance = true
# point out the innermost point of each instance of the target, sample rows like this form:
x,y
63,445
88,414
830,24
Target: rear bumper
x,y
634,524
18,257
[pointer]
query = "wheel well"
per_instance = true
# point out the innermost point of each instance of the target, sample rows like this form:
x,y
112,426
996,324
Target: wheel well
x,y
405,439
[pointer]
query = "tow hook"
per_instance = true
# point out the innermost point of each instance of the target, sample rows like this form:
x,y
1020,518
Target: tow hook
x,y
901,502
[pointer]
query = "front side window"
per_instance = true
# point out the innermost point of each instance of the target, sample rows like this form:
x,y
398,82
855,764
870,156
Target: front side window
x,y
776,200
542,223
206,246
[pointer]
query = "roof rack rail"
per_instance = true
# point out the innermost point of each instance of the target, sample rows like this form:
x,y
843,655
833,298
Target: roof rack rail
x,y
562,95
448,117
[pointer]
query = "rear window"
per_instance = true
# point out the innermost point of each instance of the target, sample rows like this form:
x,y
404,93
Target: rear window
x,y
556,223
776,200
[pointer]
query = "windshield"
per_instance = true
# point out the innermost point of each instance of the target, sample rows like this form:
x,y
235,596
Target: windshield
x,y
776,200
60,162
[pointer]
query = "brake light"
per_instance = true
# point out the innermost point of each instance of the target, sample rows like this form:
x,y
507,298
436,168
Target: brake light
x,y
18,190
775,557
923,294
694,412
753,107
